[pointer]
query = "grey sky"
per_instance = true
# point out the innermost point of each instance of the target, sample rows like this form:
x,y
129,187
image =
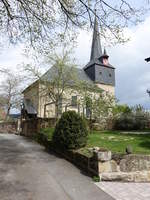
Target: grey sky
x,y
132,72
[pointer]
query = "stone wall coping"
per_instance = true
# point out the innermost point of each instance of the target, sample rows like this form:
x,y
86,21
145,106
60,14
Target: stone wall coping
x,y
138,176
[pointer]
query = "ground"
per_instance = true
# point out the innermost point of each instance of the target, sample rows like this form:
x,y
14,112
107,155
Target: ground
x,y
30,173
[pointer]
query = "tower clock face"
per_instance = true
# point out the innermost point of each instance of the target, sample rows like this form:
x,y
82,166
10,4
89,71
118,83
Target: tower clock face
x,y
105,61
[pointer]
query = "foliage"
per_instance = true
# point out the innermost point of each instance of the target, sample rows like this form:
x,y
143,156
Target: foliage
x,y
71,131
44,137
98,103
132,119
48,19
96,178
121,109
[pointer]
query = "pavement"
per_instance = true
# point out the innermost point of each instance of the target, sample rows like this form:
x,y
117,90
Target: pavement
x,y
27,172
126,191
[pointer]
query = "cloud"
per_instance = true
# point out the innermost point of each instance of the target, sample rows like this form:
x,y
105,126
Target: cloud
x,y
11,56
132,72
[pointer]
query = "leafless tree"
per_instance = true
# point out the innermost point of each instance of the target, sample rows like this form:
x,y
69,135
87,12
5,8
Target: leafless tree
x,y
10,92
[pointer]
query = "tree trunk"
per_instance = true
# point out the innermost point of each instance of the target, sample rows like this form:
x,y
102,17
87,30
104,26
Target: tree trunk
x,y
8,112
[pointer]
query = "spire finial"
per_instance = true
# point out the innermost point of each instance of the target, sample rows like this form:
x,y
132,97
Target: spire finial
x,y
105,53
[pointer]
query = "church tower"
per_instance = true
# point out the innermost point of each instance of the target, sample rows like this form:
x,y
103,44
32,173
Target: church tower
x,y
99,70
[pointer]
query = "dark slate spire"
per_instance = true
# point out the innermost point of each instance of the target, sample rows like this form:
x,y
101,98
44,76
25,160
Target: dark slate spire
x,y
96,50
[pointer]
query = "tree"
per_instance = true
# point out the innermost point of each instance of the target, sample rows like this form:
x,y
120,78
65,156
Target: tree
x,y
58,82
10,92
46,19
98,103
2,109
121,109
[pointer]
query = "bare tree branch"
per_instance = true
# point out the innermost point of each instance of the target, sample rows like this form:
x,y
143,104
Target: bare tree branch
x,y
45,20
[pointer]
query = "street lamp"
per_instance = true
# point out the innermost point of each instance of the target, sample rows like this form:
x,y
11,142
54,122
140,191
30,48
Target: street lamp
x,y
147,59
148,92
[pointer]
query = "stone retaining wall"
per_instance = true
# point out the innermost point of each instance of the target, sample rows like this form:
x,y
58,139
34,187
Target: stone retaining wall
x,y
127,168
116,167
8,127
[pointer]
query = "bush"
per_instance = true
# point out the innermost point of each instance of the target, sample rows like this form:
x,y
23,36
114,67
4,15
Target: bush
x,y
70,131
131,122
44,137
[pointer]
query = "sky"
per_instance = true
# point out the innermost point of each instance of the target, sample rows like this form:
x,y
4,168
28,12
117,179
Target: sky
x,y
132,72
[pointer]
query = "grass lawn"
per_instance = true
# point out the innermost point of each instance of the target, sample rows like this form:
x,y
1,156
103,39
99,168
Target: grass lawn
x,y
114,141
117,141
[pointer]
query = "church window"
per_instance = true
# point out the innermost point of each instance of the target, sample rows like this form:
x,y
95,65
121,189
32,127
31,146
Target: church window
x,y
100,73
109,75
74,101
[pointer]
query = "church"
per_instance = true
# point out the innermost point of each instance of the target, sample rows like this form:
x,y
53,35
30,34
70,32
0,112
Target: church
x,y
97,71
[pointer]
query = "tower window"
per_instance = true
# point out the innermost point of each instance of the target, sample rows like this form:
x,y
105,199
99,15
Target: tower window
x,y
109,75
100,73
105,61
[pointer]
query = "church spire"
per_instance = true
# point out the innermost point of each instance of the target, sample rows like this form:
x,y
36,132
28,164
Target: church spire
x,y
96,50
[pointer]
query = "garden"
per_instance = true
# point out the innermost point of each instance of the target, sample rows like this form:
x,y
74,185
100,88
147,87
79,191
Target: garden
x,y
130,129
109,154
116,141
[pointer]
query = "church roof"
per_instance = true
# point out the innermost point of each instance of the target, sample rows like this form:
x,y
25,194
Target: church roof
x,y
81,75
98,62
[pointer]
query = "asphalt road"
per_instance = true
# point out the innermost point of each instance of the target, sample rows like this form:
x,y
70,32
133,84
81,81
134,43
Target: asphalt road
x,y
27,172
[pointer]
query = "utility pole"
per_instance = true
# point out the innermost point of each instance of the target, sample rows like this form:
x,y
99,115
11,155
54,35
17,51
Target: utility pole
x,y
148,92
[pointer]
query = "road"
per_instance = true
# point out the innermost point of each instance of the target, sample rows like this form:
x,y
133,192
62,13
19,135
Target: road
x,y
27,172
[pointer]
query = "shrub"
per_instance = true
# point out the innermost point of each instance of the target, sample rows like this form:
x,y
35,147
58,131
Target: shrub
x,y
96,178
125,122
44,137
70,131
131,122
